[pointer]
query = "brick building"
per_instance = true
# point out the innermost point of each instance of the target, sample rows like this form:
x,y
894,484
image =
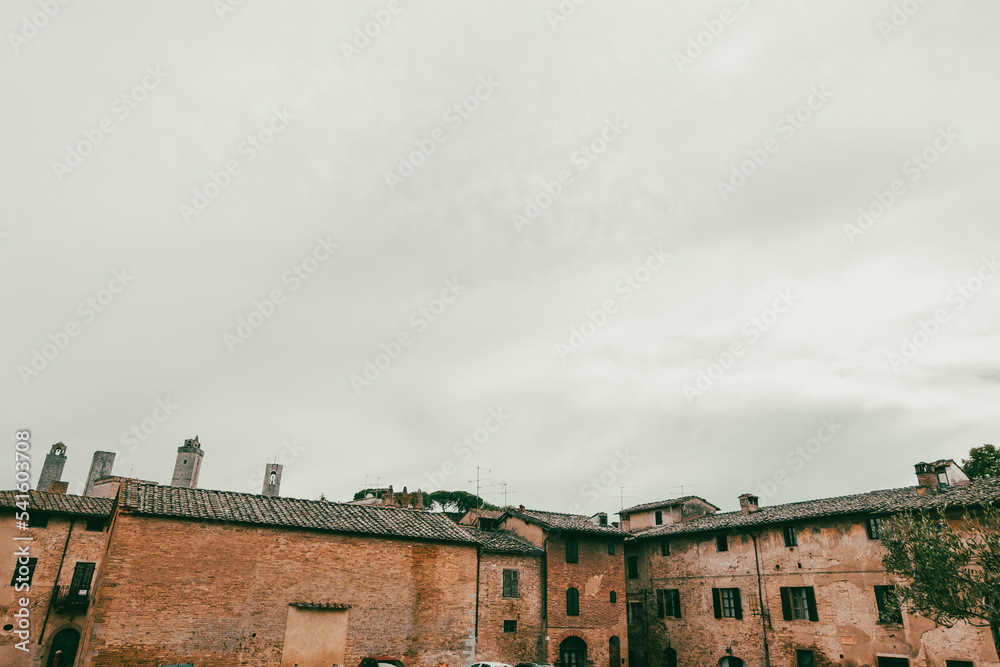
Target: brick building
x,y
795,585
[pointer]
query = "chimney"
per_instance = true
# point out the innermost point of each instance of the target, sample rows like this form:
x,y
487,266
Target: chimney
x,y
59,487
938,476
749,503
272,480
926,477
99,467
520,508
52,469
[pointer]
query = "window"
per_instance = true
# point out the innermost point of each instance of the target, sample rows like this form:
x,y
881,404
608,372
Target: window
x,y
603,520
722,543
805,659
727,603
510,626
798,604
791,536
958,663
659,518
665,548
614,597
891,661
572,551
633,567
611,549
38,520
668,603
510,582
572,602
95,524
635,613
874,527
82,575
23,573
888,606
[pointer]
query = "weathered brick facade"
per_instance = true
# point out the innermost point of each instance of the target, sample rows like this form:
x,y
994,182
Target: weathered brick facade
x,y
175,590
526,643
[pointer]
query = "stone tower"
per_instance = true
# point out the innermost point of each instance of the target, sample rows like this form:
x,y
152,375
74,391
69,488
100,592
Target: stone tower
x,y
52,469
272,479
188,464
99,467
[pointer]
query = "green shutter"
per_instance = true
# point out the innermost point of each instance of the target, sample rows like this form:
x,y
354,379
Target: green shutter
x,y
786,604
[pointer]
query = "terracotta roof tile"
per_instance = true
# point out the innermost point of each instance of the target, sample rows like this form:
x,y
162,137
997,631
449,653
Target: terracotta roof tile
x,y
60,503
502,542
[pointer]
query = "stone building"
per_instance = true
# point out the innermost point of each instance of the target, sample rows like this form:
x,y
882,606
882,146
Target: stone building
x,y
795,585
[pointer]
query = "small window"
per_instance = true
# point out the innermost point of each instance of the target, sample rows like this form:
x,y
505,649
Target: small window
x,y
805,659
791,536
887,604
603,520
798,604
38,520
659,518
874,527
572,551
727,603
572,602
95,524
614,597
611,549
633,567
958,663
665,548
722,542
635,613
23,573
668,603
510,626
510,584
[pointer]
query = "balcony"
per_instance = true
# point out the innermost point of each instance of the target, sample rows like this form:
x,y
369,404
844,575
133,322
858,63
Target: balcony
x,y
68,597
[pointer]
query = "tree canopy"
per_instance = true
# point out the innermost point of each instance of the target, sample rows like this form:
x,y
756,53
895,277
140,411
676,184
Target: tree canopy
x,y
983,461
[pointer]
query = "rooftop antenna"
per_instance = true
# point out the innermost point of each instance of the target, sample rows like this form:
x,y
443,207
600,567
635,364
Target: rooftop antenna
x,y
478,468
503,484
622,494
679,490
378,480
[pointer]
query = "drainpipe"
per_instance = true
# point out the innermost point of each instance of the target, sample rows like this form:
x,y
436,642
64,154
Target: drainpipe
x,y
760,602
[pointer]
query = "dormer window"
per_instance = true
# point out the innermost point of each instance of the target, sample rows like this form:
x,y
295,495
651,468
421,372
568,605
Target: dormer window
x,y
942,478
659,517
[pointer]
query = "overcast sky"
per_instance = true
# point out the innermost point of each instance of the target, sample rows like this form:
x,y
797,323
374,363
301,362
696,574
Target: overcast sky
x,y
633,229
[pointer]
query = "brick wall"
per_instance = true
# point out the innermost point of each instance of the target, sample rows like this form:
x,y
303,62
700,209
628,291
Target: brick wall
x,y
527,644
595,575
47,545
177,591
836,558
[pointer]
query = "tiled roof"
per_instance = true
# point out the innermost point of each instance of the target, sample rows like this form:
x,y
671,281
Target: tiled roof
x,y
576,523
502,542
60,503
291,512
888,501
663,503
490,514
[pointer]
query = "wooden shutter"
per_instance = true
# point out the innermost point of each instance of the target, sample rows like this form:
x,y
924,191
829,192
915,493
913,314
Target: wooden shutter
x,y
737,603
514,584
82,574
677,603
786,604
717,602
661,604
811,599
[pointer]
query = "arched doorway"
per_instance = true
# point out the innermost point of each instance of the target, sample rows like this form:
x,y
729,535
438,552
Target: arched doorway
x,y
65,643
615,652
731,661
669,657
573,652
